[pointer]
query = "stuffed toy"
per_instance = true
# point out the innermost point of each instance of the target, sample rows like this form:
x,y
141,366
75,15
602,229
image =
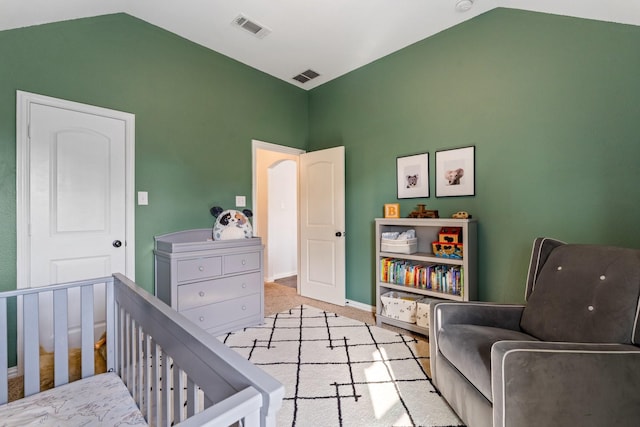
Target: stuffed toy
x,y
231,224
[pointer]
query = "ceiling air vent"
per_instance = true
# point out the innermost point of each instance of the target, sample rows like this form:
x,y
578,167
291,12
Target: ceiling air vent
x,y
305,76
253,27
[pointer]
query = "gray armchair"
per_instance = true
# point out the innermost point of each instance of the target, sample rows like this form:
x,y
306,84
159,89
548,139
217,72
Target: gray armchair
x,y
569,357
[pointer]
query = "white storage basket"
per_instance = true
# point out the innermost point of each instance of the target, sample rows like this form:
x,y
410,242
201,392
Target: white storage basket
x,y
408,246
399,306
423,310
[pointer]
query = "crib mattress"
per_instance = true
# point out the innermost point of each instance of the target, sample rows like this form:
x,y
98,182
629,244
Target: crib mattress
x,y
98,400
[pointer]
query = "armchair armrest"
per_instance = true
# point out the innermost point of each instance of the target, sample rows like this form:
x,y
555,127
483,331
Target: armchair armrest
x,y
506,316
549,383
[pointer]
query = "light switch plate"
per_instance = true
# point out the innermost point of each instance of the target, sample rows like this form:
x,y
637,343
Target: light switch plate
x,y
143,198
241,201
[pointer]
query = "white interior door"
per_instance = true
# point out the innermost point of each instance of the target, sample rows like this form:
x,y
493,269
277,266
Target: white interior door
x,y
322,225
77,204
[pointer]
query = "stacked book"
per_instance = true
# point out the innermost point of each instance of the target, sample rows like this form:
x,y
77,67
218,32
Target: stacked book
x,y
447,279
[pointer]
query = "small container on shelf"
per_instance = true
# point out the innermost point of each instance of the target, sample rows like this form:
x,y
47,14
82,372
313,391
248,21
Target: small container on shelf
x,y
399,306
407,246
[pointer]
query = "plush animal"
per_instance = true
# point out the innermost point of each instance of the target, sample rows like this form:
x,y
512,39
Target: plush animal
x,y
231,224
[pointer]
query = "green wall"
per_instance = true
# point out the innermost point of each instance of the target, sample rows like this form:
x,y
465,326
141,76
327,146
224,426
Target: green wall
x,y
196,113
552,105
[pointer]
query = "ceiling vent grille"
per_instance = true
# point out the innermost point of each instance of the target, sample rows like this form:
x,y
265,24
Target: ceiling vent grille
x,y
258,30
305,76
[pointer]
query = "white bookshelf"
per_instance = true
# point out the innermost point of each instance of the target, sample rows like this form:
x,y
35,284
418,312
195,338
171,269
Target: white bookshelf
x,y
427,231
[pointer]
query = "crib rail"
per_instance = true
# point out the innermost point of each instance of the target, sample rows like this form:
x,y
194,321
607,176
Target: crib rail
x,y
27,303
175,371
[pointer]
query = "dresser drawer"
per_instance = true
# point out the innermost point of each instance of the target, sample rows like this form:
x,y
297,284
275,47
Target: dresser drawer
x,y
218,314
242,262
199,268
202,293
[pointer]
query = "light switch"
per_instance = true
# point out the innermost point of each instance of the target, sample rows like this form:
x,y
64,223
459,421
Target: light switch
x,y
143,198
241,201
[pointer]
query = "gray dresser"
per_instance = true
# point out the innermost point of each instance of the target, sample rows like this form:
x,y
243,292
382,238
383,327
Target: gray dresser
x,y
216,284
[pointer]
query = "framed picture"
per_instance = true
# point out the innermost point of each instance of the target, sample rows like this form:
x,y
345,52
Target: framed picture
x,y
413,176
455,172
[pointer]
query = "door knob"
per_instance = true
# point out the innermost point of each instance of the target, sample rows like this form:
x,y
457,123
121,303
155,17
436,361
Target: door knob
x,y
338,234
117,243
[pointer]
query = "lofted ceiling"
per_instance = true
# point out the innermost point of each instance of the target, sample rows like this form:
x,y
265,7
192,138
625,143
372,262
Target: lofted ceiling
x,y
330,37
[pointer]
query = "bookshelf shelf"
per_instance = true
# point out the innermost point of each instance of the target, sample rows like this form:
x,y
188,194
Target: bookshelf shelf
x,y
427,231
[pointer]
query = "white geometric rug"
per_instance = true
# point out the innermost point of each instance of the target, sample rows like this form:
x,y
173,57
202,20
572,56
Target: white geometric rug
x,y
341,372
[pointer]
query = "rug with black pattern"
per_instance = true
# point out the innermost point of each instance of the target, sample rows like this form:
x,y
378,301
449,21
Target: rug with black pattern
x,y
341,372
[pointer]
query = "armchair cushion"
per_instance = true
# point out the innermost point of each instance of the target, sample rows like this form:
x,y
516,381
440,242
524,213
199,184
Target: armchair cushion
x,y
574,384
468,348
585,293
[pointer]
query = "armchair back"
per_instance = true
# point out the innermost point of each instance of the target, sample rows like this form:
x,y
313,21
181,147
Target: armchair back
x,y
582,293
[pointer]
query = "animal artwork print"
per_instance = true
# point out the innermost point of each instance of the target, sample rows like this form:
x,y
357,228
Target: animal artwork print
x,y
453,176
412,181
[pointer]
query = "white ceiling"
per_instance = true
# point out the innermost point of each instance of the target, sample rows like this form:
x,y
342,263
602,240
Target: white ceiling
x,y
331,37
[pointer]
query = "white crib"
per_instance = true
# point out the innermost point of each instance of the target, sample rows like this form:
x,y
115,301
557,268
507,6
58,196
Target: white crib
x,y
202,382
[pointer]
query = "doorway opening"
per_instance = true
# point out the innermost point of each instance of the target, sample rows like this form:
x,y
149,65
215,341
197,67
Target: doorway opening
x,y
275,208
282,219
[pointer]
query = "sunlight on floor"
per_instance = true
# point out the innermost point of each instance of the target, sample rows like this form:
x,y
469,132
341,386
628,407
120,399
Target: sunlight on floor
x,y
382,390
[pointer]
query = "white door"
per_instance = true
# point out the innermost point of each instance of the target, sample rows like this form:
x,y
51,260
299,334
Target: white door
x,y
77,203
322,225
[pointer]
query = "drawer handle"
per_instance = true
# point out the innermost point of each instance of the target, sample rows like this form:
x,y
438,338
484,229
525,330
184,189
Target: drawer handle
x,y
201,293
244,307
201,318
244,285
201,268
244,262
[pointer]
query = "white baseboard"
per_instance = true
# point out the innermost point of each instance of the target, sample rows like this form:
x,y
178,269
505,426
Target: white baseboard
x,y
360,306
12,372
283,275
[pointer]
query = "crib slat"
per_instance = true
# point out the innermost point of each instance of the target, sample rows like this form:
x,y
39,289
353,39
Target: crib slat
x,y
31,339
153,408
166,390
87,333
192,397
110,317
146,392
178,393
4,359
127,354
140,366
61,336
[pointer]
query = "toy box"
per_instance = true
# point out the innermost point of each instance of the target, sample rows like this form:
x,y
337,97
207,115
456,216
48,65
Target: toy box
x,y
447,250
450,235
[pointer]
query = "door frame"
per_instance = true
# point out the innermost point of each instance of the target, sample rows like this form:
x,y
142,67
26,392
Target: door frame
x,y
23,212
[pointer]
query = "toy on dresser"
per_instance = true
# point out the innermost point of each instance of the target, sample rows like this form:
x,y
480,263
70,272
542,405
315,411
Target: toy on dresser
x,y
231,224
449,244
